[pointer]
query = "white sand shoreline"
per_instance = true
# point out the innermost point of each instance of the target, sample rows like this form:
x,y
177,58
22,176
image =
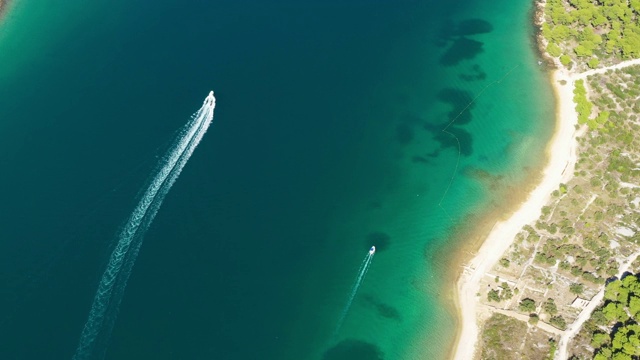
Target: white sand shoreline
x,y
561,158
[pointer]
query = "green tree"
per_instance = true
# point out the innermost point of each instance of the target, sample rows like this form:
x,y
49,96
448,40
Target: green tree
x,y
527,305
616,291
493,295
621,356
598,339
614,311
559,322
576,288
553,347
634,306
632,284
560,33
593,63
550,307
599,318
602,117
598,20
507,294
612,289
604,353
584,49
554,50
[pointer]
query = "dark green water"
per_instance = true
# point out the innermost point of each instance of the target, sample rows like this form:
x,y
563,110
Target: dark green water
x,y
327,139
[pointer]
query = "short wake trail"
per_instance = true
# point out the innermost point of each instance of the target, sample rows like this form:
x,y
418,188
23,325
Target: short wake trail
x,y
362,272
104,309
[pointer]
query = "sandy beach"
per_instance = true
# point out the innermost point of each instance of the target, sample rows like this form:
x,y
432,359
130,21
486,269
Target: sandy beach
x,y
561,158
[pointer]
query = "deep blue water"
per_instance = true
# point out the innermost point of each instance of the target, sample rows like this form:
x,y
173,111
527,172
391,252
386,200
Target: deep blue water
x,y
326,140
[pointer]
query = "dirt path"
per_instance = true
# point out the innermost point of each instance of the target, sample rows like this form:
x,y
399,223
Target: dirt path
x,y
621,65
573,329
562,155
559,169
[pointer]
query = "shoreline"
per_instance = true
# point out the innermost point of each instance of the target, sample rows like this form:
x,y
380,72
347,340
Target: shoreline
x,y
561,156
4,5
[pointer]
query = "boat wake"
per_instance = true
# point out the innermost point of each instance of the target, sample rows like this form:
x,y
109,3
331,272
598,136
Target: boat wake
x,y
106,302
362,272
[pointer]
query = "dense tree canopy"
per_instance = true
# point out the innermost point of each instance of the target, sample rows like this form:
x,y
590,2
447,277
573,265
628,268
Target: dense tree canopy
x,y
621,311
593,28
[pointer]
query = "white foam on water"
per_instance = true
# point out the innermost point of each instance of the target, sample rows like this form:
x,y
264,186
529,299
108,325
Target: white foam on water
x,y
106,302
362,272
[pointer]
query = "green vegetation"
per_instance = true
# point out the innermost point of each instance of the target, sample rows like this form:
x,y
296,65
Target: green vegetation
x,y
576,288
592,29
554,50
533,319
553,346
502,293
565,60
580,239
497,333
550,307
583,105
558,321
619,315
527,306
502,338
493,295
506,292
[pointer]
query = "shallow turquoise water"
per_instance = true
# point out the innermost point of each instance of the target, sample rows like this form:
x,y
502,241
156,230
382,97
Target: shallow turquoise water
x,y
327,139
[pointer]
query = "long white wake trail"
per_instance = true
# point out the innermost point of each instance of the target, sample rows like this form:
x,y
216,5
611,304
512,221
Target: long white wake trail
x,y
104,310
362,272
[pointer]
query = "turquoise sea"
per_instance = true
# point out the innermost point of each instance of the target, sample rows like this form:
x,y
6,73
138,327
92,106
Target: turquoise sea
x,y
339,125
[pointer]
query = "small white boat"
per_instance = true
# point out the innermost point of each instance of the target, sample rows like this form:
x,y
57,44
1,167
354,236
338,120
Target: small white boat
x,y
372,250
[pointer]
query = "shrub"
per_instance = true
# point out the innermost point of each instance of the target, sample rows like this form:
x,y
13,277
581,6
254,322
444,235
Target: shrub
x,y
576,288
593,63
550,307
598,339
508,294
527,305
559,322
493,295
554,50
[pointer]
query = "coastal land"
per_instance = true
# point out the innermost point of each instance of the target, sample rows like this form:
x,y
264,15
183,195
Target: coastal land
x,y
538,276
561,152
3,7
